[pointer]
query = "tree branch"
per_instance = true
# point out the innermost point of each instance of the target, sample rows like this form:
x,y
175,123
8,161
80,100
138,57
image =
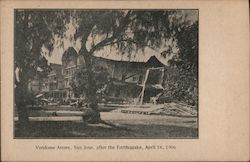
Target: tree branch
x,y
101,44
127,40
116,34
83,49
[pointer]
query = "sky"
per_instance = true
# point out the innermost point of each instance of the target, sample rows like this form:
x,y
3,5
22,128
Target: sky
x,y
111,52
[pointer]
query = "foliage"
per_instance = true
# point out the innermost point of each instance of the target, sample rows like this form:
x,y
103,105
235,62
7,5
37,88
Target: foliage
x,y
79,83
181,79
187,41
180,85
124,29
35,29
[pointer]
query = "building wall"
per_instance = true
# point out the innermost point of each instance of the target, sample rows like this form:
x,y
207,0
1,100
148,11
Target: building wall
x,y
34,86
130,75
52,85
44,85
120,70
70,65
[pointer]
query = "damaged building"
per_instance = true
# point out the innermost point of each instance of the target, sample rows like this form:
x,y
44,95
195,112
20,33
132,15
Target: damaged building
x,y
134,82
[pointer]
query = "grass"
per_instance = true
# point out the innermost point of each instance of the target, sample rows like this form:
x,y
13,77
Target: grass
x,y
69,129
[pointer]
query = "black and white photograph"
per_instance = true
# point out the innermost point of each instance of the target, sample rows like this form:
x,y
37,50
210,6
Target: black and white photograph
x,y
106,73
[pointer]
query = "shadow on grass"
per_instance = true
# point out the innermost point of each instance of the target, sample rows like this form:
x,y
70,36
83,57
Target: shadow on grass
x,y
68,129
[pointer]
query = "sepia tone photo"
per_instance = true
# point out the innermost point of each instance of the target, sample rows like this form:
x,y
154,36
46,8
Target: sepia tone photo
x,y
106,73
124,80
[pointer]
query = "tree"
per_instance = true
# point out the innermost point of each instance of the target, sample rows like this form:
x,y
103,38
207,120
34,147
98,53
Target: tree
x,y
79,83
187,41
182,82
34,29
125,30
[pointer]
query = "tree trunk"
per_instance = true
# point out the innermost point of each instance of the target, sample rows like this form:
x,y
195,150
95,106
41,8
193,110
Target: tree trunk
x,y
21,98
93,115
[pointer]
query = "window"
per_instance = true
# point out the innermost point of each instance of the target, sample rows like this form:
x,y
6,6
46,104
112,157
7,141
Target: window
x,y
66,83
117,93
140,79
123,76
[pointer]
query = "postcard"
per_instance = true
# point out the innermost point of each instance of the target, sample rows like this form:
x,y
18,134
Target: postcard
x,y
124,80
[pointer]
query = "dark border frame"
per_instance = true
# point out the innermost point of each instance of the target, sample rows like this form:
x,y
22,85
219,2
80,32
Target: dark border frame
x,y
120,138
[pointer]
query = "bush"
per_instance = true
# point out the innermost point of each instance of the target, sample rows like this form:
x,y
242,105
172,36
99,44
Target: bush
x,y
181,85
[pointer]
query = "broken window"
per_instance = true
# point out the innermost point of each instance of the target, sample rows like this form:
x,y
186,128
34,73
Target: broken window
x,y
123,76
140,79
134,78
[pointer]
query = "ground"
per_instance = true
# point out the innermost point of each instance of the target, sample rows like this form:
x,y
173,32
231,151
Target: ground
x,y
116,125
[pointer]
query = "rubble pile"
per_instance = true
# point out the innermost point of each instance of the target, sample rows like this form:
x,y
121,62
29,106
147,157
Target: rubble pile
x,y
176,109
170,109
